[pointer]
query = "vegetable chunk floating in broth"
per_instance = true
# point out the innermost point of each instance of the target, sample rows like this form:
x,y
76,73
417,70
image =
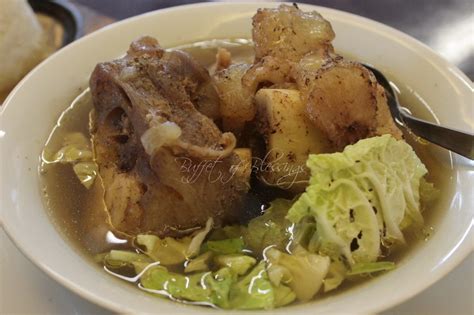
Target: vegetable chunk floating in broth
x,y
267,181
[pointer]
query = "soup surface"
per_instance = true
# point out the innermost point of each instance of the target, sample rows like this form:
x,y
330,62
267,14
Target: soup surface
x,y
72,207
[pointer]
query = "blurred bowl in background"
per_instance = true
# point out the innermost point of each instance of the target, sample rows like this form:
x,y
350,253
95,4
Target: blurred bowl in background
x,y
32,31
60,19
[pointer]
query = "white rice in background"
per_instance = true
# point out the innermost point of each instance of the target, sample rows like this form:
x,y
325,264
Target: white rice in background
x,y
23,43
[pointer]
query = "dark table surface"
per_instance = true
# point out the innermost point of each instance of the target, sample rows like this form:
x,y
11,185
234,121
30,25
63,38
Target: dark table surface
x,y
447,26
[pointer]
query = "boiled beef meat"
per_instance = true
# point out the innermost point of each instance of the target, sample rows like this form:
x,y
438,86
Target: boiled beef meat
x,y
164,164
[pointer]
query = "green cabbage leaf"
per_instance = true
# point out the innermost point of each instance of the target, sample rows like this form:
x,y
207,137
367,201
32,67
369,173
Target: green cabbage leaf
x,y
116,259
255,291
360,197
168,250
199,263
203,287
234,286
271,228
302,271
172,251
371,267
225,246
239,264
76,151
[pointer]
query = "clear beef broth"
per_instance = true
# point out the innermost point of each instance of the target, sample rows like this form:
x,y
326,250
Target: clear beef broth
x,y
71,206
64,195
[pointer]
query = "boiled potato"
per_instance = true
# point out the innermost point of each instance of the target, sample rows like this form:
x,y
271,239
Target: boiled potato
x,y
290,137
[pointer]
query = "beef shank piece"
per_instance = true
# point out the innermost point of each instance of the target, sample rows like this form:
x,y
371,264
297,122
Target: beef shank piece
x,y
165,166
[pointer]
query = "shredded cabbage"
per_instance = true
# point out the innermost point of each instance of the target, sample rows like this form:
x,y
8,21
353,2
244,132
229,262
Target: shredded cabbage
x,y
86,172
428,193
271,228
357,200
239,264
201,287
76,151
222,288
75,148
283,295
226,246
120,258
336,275
228,231
360,197
195,245
371,267
172,251
168,251
255,291
302,271
72,153
200,263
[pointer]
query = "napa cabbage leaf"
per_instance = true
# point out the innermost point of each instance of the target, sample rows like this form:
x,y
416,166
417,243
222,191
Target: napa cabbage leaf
x,y
271,228
222,288
255,291
76,151
172,251
225,246
301,271
203,287
360,197
371,267
239,264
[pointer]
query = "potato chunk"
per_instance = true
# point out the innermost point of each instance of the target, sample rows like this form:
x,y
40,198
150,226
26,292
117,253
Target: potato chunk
x,y
290,137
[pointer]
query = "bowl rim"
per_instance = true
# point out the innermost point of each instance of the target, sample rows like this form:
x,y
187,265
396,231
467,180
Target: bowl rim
x,y
458,254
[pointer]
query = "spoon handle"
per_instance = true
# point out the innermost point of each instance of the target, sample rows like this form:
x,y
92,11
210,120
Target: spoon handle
x,y
457,141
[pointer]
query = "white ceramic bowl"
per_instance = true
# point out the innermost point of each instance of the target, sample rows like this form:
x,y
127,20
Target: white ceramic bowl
x,y
32,108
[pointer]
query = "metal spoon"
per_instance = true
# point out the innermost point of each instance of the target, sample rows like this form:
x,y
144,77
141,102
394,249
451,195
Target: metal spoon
x,y
457,141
